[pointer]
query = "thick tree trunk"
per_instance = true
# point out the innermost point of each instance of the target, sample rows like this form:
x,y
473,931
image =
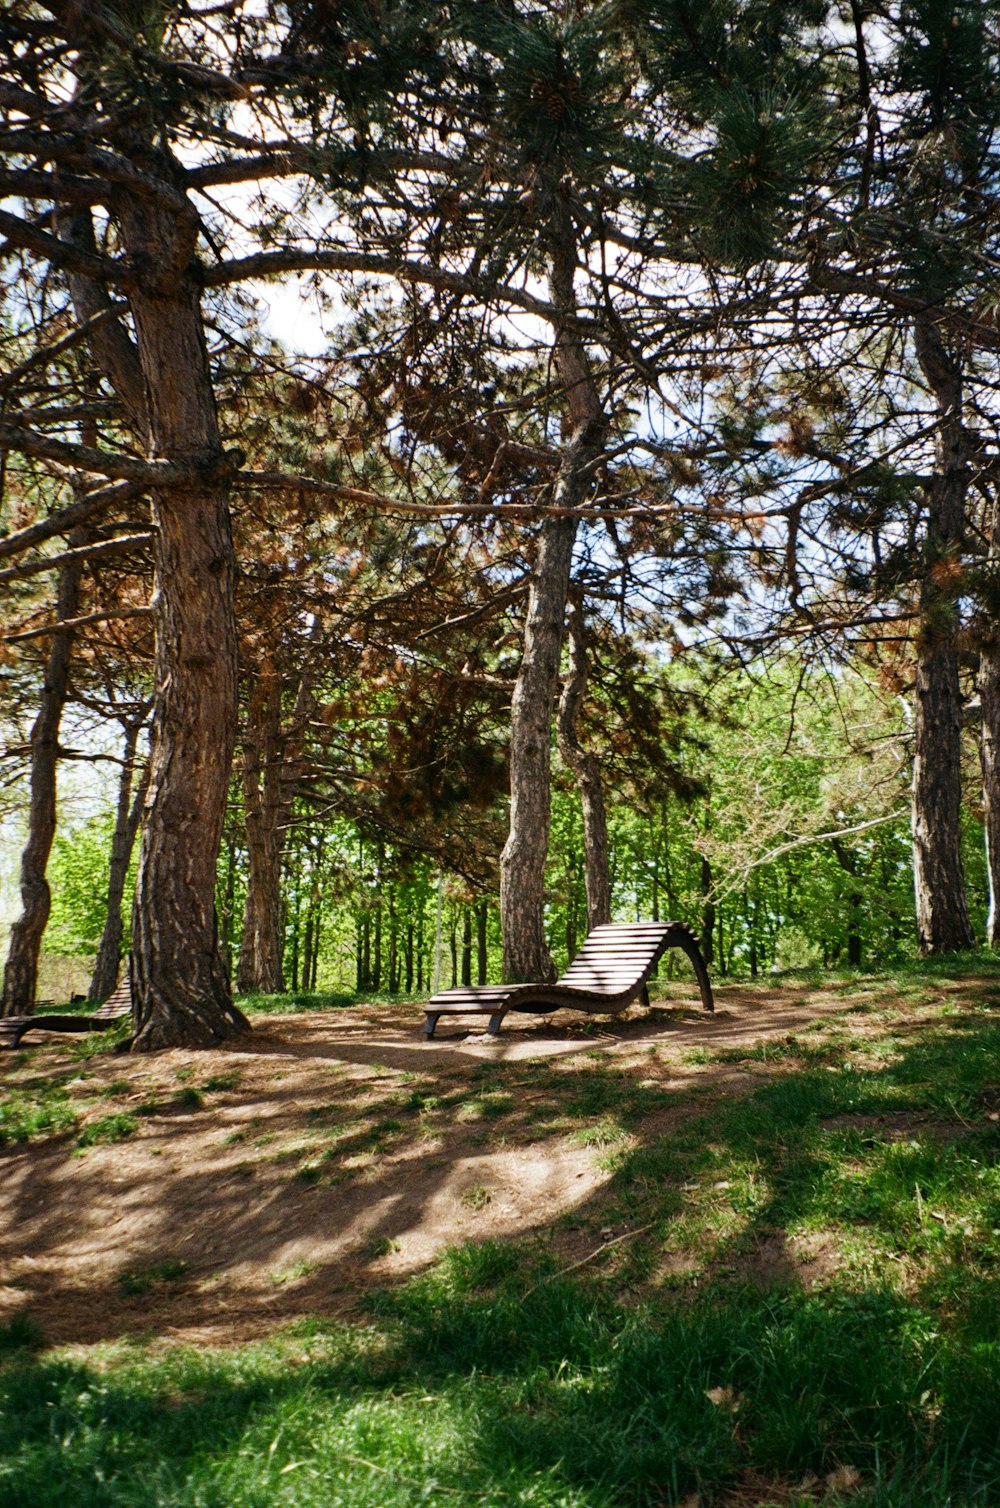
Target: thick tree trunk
x,y
586,768
260,963
20,977
943,924
181,994
522,864
180,987
127,816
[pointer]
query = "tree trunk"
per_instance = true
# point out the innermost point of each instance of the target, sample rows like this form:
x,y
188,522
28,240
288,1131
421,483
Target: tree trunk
x,y
707,911
988,685
260,962
180,989
467,947
482,916
522,864
989,756
127,815
586,768
943,924
20,977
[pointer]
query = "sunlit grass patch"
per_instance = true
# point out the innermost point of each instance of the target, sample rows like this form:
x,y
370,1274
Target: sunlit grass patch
x,y
109,1128
37,1108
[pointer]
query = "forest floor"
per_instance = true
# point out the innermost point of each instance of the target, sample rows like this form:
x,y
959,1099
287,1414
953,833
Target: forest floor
x,y
820,1153
206,1197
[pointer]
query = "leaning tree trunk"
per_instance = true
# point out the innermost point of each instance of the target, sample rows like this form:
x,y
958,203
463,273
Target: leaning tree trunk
x,y
586,768
20,977
181,994
943,924
260,963
522,864
127,815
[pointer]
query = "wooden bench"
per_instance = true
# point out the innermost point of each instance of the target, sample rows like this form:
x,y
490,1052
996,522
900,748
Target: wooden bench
x,y
116,1008
611,970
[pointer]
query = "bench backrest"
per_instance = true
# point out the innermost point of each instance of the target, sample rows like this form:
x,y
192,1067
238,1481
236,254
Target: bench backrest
x,y
617,958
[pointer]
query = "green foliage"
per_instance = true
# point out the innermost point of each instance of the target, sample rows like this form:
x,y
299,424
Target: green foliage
x,y
78,878
20,1333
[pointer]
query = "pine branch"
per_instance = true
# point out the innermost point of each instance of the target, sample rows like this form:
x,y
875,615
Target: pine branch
x,y
69,625
67,518
98,462
86,552
45,354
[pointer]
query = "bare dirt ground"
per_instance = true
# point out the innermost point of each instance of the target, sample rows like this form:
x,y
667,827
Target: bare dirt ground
x,y
333,1152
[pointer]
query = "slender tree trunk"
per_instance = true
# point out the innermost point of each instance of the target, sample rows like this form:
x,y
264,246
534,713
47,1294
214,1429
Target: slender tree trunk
x,y
586,768
467,947
260,962
393,947
522,863
408,958
707,910
482,917
376,967
988,685
20,978
127,816
943,924
989,755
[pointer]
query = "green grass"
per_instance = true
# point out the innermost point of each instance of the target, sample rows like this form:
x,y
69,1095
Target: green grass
x,y
676,1361
141,1279
109,1128
37,1108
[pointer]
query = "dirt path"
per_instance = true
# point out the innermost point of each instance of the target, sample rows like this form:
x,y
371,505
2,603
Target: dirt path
x,y
333,1152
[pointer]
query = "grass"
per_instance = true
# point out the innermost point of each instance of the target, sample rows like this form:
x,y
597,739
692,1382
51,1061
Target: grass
x,y
117,1127
37,1107
681,1349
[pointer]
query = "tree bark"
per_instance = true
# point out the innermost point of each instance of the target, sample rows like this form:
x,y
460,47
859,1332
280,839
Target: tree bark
x,y
707,911
943,924
20,978
526,954
988,686
260,963
989,756
586,768
127,815
181,994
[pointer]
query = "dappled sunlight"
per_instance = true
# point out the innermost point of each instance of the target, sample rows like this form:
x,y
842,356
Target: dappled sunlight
x,y
331,1153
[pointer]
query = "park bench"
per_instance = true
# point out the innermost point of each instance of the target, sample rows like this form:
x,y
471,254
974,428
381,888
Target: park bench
x,y
611,970
116,1008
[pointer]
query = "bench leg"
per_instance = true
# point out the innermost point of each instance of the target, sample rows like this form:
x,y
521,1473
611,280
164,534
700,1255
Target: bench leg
x,y
494,1026
432,1019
